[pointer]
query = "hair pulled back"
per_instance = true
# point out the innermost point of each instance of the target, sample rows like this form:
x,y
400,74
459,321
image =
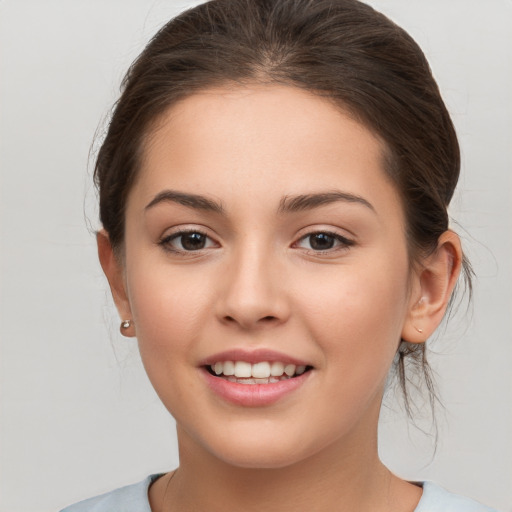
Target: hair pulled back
x,y
343,50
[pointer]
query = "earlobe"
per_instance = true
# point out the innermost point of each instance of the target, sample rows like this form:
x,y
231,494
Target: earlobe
x,y
113,271
435,282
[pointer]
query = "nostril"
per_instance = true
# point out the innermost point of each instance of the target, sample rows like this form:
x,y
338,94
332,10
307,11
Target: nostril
x,y
248,322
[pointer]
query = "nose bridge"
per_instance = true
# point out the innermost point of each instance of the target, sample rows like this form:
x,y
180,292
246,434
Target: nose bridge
x,y
253,292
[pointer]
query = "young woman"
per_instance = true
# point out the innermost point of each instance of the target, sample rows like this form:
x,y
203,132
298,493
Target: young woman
x,y
273,191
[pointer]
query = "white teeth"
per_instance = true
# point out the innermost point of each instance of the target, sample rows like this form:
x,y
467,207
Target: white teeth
x,y
261,370
218,368
276,369
258,373
289,369
243,369
229,368
270,380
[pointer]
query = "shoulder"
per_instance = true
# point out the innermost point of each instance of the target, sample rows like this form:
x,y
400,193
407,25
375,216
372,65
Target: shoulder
x,y
131,498
437,499
134,498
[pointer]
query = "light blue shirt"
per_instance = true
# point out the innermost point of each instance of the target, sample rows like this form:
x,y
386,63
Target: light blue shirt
x,y
134,498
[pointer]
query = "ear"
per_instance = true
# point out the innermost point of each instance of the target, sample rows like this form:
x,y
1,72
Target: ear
x,y
113,270
434,282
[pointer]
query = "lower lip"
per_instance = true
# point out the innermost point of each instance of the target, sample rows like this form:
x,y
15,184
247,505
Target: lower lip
x,y
254,395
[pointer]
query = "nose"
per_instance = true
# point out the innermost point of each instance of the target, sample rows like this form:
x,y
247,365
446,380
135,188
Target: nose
x,y
253,291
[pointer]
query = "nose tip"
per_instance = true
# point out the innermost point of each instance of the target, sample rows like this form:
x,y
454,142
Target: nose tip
x,y
260,311
252,296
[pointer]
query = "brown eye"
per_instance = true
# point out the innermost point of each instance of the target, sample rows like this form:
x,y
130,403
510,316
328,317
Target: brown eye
x,y
187,241
322,241
192,241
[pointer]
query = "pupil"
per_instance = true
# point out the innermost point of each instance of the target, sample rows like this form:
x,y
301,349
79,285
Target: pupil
x,y
321,241
193,241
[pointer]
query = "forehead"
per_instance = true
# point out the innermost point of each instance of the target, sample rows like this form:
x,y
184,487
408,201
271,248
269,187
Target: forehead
x,y
254,140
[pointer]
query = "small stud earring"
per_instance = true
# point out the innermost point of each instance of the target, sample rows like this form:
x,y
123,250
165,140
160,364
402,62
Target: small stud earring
x,y
419,330
125,325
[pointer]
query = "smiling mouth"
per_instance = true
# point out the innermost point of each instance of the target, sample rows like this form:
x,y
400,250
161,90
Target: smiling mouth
x,y
263,372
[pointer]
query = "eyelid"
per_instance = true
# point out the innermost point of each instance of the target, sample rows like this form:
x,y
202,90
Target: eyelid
x,y
165,240
344,242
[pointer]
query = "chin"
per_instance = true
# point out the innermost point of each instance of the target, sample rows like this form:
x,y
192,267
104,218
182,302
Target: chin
x,y
261,460
262,450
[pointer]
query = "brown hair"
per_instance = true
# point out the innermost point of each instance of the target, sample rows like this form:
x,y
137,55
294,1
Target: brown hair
x,y
341,49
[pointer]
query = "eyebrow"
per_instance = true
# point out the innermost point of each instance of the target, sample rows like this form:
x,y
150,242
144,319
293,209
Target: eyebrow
x,y
190,200
290,204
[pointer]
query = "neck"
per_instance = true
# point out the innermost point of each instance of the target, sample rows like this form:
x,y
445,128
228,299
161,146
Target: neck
x,y
345,477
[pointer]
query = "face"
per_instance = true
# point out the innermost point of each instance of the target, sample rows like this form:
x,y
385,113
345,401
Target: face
x,y
267,274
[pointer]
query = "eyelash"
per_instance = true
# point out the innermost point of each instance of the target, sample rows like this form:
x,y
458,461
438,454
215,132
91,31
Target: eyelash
x,y
343,242
165,242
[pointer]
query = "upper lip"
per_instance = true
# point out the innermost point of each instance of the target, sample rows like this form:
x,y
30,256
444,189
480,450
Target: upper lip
x,y
253,356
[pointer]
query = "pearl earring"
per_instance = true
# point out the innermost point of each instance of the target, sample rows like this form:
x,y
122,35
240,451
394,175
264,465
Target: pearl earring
x,y
125,324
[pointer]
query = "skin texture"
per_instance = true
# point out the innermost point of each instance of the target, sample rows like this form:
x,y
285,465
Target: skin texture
x,y
259,283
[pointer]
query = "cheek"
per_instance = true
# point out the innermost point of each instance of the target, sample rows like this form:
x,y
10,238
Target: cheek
x,y
167,309
357,324
358,317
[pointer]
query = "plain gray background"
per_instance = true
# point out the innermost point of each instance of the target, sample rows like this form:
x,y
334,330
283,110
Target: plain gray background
x,y
78,416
